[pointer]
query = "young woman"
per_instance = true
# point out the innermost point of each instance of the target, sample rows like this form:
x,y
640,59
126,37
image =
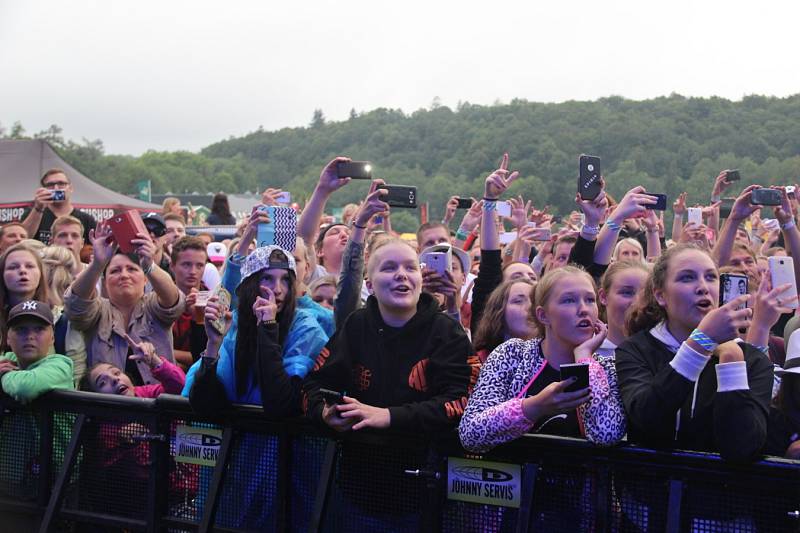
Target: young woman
x,y
264,358
23,280
507,315
628,249
619,287
519,389
220,211
683,383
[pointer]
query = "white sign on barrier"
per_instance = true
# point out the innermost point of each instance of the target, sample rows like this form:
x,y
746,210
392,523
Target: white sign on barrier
x,y
197,445
483,482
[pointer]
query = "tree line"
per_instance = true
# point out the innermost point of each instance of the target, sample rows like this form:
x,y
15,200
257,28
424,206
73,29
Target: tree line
x,y
668,144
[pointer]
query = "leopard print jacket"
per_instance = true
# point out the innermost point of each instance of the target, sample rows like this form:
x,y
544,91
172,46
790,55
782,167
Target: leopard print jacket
x,y
494,411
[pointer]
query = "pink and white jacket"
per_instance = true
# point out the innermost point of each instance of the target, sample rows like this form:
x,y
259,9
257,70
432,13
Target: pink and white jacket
x,y
494,411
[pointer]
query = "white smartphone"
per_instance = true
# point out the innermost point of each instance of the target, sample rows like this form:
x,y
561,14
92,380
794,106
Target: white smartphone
x,y
284,198
503,209
781,270
438,261
695,216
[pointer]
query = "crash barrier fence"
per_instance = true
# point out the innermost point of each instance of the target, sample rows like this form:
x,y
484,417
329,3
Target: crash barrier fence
x,y
73,459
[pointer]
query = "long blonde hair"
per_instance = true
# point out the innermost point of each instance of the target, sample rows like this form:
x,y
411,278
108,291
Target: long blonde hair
x,y
60,268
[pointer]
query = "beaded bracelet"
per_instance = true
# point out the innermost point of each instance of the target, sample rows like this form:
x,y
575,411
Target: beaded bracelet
x,y
613,226
707,343
461,235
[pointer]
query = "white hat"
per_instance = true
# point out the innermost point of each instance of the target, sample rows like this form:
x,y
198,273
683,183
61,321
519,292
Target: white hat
x,y
260,260
792,363
217,252
462,256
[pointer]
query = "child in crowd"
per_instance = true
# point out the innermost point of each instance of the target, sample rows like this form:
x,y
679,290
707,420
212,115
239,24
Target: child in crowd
x,y
106,378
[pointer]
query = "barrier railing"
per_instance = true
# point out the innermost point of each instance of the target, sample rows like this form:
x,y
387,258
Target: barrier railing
x,y
155,465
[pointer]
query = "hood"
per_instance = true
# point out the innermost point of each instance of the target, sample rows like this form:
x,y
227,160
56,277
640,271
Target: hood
x,y
427,307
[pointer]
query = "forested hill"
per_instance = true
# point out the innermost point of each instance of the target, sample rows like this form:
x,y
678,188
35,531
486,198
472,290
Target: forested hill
x,y
668,144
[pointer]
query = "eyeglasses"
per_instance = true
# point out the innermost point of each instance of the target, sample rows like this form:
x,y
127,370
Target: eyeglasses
x,y
56,185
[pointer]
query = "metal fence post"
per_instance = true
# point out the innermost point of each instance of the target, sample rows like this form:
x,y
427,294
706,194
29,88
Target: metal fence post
x,y
70,456
529,473
324,486
215,488
674,507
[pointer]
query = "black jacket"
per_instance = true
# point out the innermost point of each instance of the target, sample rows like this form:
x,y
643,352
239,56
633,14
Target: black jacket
x,y
733,423
418,371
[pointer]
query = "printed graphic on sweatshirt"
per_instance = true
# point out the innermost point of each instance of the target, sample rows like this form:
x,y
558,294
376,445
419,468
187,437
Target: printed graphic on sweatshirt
x,y
417,379
362,377
322,358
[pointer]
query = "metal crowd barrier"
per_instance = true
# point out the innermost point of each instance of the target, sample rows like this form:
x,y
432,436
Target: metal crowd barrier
x,y
72,461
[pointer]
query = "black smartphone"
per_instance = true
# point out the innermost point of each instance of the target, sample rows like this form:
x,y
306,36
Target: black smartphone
x,y
733,175
725,207
661,203
464,203
358,170
764,196
332,397
578,370
400,196
731,286
589,176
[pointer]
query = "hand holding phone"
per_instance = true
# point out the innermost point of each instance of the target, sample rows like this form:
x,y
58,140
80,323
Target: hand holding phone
x,y
400,196
764,196
464,203
661,202
224,303
589,184
694,216
781,270
332,397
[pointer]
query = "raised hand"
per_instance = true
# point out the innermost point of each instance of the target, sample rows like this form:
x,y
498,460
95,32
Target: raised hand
x,y
212,313
270,196
594,210
632,205
143,351
723,324
329,180
103,245
720,184
498,182
145,249
742,208
519,211
372,204
679,205
450,209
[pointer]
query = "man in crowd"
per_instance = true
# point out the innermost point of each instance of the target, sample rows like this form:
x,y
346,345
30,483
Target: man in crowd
x,y
189,261
431,234
67,231
53,199
11,234
176,229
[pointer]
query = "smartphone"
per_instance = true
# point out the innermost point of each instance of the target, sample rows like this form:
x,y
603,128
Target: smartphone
x,y
224,306
124,227
464,203
764,196
540,234
695,216
400,196
332,397
725,207
781,270
281,230
58,195
732,175
578,370
731,286
358,170
503,209
507,237
661,202
441,262
284,198
589,176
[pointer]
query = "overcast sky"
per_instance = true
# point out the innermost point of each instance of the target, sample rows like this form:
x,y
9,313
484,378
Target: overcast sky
x,y
169,75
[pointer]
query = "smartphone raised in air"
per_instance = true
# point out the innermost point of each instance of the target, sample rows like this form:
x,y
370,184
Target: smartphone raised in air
x,y
589,185
781,271
358,170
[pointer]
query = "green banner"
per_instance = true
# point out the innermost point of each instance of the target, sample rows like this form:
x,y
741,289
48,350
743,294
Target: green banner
x,y
143,188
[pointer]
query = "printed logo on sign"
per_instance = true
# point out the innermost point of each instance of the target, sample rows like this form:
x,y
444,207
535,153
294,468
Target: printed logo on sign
x,y
198,446
483,482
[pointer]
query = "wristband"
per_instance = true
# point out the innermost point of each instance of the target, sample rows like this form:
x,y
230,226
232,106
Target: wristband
x,y
461,235
237,258
39,209
613,226
489,199
789,225
715,198
707,343
590,230
762,349
489,205
357,226
149,268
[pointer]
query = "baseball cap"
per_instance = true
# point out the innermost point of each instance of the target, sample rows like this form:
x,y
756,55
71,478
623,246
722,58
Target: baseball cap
x,y
154,224
260,260
32,308
217,252
792,363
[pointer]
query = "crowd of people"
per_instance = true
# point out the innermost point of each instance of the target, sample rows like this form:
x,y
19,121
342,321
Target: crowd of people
x,y
477,346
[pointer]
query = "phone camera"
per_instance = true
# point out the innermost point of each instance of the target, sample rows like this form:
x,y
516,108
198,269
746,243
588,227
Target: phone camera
x,y
590,167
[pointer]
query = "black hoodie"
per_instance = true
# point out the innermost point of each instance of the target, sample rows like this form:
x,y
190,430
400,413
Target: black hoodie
x,y
419,371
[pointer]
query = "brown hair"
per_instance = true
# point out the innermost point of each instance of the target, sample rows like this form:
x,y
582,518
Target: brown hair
x,y
9,224
187,243
491,329
50,173
544,288
646,311
176,217
65,220
608,278
41,293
